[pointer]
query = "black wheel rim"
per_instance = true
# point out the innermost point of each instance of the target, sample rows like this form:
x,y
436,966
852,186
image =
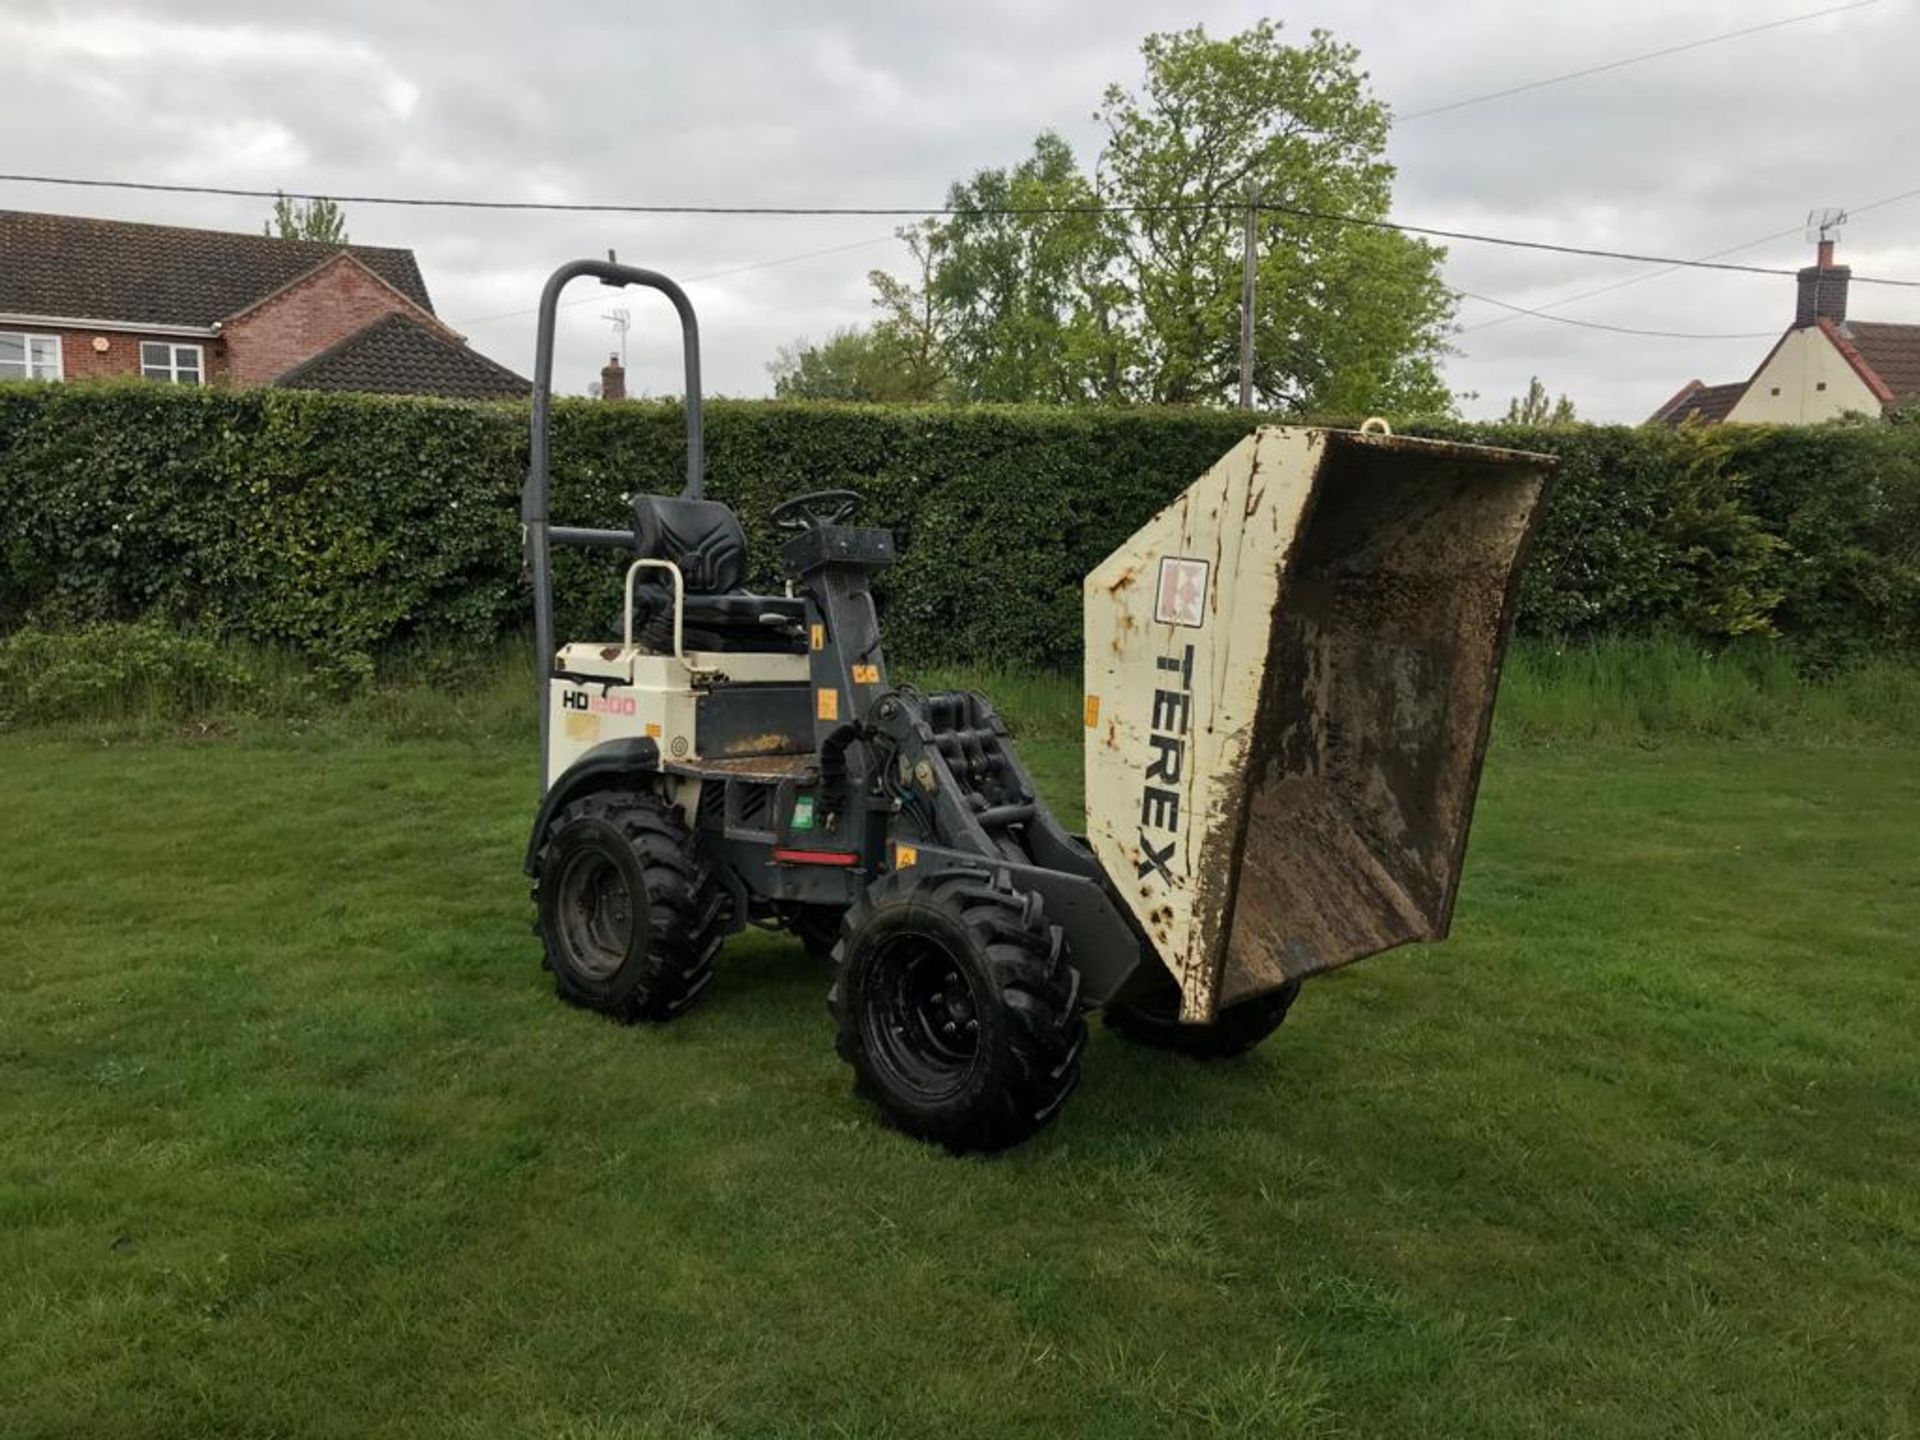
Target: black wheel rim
x,y
595,915
921,1017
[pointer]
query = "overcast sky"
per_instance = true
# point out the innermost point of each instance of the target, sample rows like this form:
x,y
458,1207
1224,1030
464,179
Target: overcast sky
x,y
886,103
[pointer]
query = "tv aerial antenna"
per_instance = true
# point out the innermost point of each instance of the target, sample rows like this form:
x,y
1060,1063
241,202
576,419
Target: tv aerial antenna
x,y
1822,223
621,319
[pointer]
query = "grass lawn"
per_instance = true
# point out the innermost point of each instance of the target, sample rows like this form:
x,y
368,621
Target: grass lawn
x,y
294,1139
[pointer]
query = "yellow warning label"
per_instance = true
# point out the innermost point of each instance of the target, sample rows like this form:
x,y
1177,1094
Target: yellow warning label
x,y
582,729
828,707
904,855
653,731
866,674
1093,711
819,637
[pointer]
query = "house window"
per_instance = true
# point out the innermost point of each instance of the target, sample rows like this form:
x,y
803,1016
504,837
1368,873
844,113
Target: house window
x,y
175,364
1820,385
29,357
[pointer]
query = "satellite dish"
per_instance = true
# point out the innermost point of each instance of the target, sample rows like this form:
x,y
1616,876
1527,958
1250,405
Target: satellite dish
x,y
1822,223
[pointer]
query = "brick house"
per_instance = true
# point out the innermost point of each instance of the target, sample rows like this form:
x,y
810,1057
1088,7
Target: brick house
x,y
1823,366
83,298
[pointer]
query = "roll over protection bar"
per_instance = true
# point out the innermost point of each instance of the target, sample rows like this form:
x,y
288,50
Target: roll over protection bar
x,y
540,536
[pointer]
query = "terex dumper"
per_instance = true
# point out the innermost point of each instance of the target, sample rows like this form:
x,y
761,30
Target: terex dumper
x,y
1290,673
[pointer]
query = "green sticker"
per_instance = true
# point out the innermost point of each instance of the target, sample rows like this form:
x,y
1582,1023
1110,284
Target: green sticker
x,y
803,813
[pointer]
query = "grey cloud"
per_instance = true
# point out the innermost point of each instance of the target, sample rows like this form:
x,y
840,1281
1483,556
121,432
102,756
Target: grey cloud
x,y
886,103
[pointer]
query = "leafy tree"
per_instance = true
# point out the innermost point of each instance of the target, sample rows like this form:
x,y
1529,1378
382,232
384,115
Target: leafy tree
x,y
1535,408
1348,316
852,364
914,330
318,219
1026,284
1125,286
902,357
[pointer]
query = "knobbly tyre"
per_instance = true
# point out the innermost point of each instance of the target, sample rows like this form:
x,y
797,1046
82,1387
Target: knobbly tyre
x,y
1289,677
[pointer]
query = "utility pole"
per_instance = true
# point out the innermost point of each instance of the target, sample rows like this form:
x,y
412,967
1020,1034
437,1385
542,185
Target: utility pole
x,y
1250,245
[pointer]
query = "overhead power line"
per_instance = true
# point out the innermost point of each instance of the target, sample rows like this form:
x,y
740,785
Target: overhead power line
x,y
789,259
1513,242
1235,206
1645,276
1639,279
1631,60
1883,200
694,279
1616,329
564,207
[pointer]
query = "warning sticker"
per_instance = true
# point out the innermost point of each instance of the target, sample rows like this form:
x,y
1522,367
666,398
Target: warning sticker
x,y
827,706
1182,596
866,674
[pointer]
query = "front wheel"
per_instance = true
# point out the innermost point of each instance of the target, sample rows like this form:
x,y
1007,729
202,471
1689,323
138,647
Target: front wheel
x,y
628,911
957,1008
1155,1020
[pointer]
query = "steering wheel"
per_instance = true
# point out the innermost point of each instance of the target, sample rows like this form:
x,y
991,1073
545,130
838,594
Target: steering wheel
x,y
811,511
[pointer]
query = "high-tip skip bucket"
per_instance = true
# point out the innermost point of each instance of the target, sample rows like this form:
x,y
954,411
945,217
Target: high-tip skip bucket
x,y
1290,674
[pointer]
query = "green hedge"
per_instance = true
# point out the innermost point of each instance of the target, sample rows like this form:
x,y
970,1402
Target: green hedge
x,y
339,525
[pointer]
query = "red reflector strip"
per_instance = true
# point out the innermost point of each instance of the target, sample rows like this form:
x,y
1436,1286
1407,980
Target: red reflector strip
x,y
815,857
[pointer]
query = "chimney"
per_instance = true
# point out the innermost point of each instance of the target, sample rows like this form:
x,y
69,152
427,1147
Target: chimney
x,y
613,377
1823,290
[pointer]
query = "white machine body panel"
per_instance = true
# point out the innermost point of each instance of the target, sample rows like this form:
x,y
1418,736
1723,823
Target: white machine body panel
x,y
624,694
1177,627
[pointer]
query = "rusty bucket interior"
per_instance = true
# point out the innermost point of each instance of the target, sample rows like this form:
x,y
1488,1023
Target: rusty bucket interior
x,y
1393,617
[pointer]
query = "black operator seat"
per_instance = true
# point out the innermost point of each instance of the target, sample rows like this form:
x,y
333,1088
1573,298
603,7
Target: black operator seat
x,y
704,538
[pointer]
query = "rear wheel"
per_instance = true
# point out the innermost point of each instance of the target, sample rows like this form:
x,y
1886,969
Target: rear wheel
x,y
1155,1020
957,1008
629,914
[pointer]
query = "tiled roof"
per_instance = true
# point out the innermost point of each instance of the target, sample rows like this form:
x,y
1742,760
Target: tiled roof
x,y
397,355
72,266
1892,352
1702,404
